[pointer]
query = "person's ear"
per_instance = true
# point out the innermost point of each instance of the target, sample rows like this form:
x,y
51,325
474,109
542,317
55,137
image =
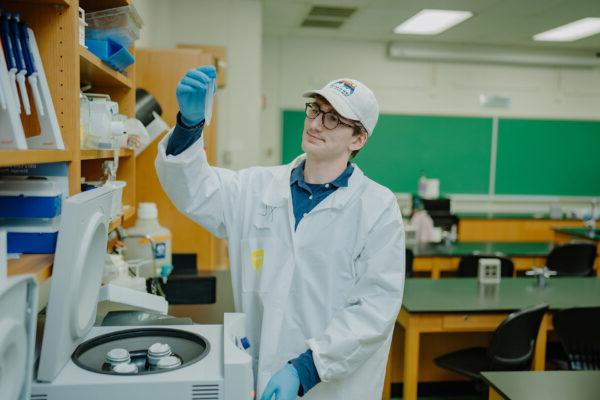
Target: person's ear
x,y
358,141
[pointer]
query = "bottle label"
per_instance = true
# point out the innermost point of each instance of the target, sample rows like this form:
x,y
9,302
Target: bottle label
x,y
160,250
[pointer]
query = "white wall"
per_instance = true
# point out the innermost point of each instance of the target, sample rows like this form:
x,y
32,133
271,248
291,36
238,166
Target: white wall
x,y
292,65
237,25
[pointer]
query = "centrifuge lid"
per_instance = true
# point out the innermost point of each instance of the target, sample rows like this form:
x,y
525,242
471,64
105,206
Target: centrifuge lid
x,y
18,315
76,278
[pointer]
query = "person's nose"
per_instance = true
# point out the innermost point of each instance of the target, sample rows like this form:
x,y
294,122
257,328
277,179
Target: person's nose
x,y
316,124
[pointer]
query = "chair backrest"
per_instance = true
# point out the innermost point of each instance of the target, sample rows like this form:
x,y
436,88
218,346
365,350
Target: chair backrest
x,y
410,256
572,259
513,341
468,266
579,332
436,205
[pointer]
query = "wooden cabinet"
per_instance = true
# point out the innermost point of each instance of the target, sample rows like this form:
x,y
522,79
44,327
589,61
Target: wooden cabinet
x,y
67,64
509,229
220,59
158,72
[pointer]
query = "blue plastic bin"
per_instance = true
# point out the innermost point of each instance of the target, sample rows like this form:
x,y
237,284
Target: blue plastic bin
x,y
111,52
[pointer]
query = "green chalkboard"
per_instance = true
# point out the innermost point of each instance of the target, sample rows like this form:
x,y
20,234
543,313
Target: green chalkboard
x,y
454,149
548,157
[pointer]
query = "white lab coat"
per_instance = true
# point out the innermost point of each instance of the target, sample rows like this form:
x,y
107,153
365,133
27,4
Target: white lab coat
x,y
335,284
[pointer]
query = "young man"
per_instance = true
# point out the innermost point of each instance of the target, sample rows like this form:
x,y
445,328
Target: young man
x,y
316,248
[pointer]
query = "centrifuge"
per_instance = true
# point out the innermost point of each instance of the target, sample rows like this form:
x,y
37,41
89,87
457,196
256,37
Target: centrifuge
x,y
79,361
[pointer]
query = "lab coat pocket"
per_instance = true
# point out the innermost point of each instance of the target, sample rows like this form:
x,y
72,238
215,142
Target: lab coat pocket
x,y
262,257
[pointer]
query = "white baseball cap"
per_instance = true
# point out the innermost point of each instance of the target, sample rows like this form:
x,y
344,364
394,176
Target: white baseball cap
x,y
352,100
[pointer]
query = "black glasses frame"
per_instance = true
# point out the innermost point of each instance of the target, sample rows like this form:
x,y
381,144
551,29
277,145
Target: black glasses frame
x,y
321,112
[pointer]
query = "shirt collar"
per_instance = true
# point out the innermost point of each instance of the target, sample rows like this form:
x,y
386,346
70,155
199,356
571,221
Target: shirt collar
x,y
297,176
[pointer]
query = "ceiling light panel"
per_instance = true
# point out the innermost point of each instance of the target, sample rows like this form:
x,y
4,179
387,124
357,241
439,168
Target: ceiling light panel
x,y
570,32
432,22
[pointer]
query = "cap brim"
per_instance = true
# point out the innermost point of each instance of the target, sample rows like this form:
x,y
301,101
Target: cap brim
x,y
336,102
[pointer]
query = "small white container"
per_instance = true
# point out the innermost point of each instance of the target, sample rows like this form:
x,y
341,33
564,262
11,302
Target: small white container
x,y
169,362
126,368
157,352
120,361
118,356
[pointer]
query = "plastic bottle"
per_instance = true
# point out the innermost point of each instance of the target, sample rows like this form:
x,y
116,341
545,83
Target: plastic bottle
x,y
422,187
148,240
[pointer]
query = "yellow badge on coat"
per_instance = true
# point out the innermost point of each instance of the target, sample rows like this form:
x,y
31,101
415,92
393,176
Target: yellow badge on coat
x,y
257,256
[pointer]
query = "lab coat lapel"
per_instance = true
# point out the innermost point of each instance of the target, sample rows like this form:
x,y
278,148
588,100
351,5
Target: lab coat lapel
x,y
334,203
277,192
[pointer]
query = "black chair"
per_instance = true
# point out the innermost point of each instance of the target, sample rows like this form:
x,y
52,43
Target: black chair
x,y
511,348
410,256
578,330
468,266
436,205
572,259
439,211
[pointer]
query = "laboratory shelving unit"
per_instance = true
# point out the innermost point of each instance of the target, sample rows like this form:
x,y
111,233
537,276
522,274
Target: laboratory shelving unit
x,y
68,65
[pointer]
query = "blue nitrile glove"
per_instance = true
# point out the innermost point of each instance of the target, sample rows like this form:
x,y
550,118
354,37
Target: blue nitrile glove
x,y
283,385
191,93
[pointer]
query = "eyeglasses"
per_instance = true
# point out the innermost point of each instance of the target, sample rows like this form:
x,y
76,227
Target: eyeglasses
x,y
330,119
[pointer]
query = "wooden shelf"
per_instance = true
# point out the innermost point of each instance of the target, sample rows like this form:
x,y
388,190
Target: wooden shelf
x,y
94,71
67,65
128,212
95,5
20,157
66,3
115,223
88,154
38,264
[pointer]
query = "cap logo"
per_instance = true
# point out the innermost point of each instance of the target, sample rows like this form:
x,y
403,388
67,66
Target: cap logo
x,y
346,88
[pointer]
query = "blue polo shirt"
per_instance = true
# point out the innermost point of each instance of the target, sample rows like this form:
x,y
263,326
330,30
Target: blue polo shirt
x,y
305,197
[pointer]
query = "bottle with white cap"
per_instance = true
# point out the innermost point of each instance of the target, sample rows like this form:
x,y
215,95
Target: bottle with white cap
x,y
120,361
148,240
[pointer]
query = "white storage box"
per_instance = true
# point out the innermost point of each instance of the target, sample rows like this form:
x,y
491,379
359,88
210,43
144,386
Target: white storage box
x,y
31,236
29,199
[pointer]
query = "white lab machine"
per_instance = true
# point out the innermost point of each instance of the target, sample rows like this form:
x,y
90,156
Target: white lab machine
x,y
73,362
3,255
18,305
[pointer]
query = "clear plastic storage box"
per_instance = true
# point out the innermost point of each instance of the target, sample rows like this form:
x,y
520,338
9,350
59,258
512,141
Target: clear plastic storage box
x,y
121,24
